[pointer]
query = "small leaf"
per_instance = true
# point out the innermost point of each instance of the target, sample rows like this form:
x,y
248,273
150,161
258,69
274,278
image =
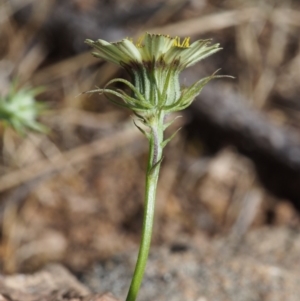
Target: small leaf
x,y
130,102
141,118
151,171
146,134
165,142
166,125
128,84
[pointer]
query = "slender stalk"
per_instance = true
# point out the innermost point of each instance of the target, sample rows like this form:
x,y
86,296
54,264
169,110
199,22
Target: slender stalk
x,y
155,157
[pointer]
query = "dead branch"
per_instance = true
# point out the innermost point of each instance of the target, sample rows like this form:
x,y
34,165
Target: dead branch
x,y
223,118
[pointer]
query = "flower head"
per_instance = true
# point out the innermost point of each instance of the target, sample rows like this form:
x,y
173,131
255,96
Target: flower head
x,y
154,48
154,63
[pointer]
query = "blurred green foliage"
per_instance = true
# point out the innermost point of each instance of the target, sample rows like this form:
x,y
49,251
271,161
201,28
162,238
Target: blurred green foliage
x,y
20,110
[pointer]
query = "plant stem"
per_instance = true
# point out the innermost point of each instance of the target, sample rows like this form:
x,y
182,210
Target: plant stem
x,y
155,157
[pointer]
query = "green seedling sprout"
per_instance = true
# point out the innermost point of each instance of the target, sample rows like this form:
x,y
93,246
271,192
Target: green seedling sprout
x,y
20,110
154,63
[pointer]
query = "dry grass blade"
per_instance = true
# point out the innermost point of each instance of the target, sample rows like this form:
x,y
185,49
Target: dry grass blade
x,y
31,61
274,58
64,68
210,23
286,16
86,119
165,13
79,154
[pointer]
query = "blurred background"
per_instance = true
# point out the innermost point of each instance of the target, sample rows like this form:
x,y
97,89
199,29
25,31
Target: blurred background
x,y
75,193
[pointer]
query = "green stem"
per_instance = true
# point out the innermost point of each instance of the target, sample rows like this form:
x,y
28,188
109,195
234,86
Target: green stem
x,y
155,157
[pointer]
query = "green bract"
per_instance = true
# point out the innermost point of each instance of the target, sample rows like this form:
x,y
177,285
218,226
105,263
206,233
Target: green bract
x,y
154,63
